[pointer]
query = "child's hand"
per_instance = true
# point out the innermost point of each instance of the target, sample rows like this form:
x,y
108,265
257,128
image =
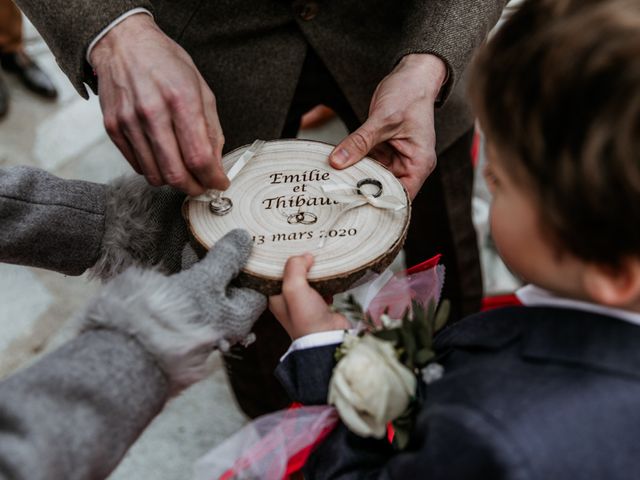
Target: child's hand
x,y
300,309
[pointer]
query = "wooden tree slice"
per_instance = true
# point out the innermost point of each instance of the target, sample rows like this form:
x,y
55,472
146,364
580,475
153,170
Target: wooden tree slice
x,y
278,198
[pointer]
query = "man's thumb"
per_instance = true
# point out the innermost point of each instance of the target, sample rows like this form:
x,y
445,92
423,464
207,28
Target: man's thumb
x,y
356,146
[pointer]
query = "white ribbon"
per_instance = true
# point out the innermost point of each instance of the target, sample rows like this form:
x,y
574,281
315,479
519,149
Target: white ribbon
x,y
353,198
350,195
214,195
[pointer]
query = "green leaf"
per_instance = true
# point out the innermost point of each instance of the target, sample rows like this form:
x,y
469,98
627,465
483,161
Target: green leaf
x,y
423,357
421,328
340,353
408,342
403,425
351,309
401,437
431,311
443,315
392,336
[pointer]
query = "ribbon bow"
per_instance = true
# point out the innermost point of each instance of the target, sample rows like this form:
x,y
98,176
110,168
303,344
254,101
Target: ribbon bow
x,y
352,198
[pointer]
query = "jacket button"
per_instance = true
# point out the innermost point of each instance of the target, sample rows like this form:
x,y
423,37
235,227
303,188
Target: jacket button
x,y
306,10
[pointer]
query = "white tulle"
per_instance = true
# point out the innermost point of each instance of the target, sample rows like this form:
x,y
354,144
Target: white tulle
x,y
400,291
262,448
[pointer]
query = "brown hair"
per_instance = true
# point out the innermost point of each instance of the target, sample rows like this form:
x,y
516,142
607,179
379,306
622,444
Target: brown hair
x,y
557,91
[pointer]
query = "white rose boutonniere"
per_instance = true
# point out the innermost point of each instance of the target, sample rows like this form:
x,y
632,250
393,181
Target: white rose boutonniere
x,y
375,380
370,387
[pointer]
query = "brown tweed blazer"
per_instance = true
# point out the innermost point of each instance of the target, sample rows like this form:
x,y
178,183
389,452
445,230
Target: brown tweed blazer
x,y
251,51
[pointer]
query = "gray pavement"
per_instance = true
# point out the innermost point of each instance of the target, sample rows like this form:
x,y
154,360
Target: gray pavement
x,y
66,137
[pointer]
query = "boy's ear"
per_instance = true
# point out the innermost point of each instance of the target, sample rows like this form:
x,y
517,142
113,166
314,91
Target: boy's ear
x,y
614,286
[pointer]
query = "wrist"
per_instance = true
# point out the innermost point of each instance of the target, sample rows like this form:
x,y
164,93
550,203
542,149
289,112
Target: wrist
x,y
124,34
337,322
432,70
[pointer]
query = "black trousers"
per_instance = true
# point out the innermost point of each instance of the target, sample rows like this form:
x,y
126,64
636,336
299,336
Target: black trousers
x,y
441,223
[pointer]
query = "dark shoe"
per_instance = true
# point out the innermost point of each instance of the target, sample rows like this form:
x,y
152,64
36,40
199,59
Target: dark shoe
x,y
4,99
29,73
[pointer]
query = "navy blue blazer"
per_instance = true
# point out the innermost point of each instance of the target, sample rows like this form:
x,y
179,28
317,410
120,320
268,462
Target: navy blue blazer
x,y
527,393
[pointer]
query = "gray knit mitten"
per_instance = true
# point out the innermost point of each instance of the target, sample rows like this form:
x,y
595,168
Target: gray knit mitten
x,y
143,226
180,319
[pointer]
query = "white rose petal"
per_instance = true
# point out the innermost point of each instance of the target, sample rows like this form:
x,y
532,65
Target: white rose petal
x,y
341,388
370,387
349,341
359,423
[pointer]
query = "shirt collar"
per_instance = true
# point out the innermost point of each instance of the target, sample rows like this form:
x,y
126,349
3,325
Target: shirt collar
x,y
531,295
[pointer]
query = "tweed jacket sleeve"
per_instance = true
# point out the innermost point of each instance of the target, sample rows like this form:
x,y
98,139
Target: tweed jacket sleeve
x,y
451,30
69,26
74,414
48,222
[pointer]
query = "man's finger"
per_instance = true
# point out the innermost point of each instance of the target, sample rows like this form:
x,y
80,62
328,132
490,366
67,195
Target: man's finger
x,y
413,186
112,126
166,152
413,172
383,153
190,125
127,151
214,132
132,132
357,145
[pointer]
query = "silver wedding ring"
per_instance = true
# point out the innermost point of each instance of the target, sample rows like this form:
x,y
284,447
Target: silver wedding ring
x,y
221,206
302,218
369,181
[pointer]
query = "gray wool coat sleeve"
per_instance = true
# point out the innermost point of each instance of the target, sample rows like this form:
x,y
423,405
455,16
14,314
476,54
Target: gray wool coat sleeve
x,y
49,222
73,414
69,26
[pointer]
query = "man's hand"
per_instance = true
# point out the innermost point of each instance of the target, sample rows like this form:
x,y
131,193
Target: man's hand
x,y
400,129
300,309
157,107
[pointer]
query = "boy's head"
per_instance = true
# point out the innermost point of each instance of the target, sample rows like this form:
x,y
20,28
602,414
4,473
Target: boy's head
x,y
557,92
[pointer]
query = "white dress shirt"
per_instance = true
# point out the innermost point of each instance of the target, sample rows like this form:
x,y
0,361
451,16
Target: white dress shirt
x,y
106,30
531,295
